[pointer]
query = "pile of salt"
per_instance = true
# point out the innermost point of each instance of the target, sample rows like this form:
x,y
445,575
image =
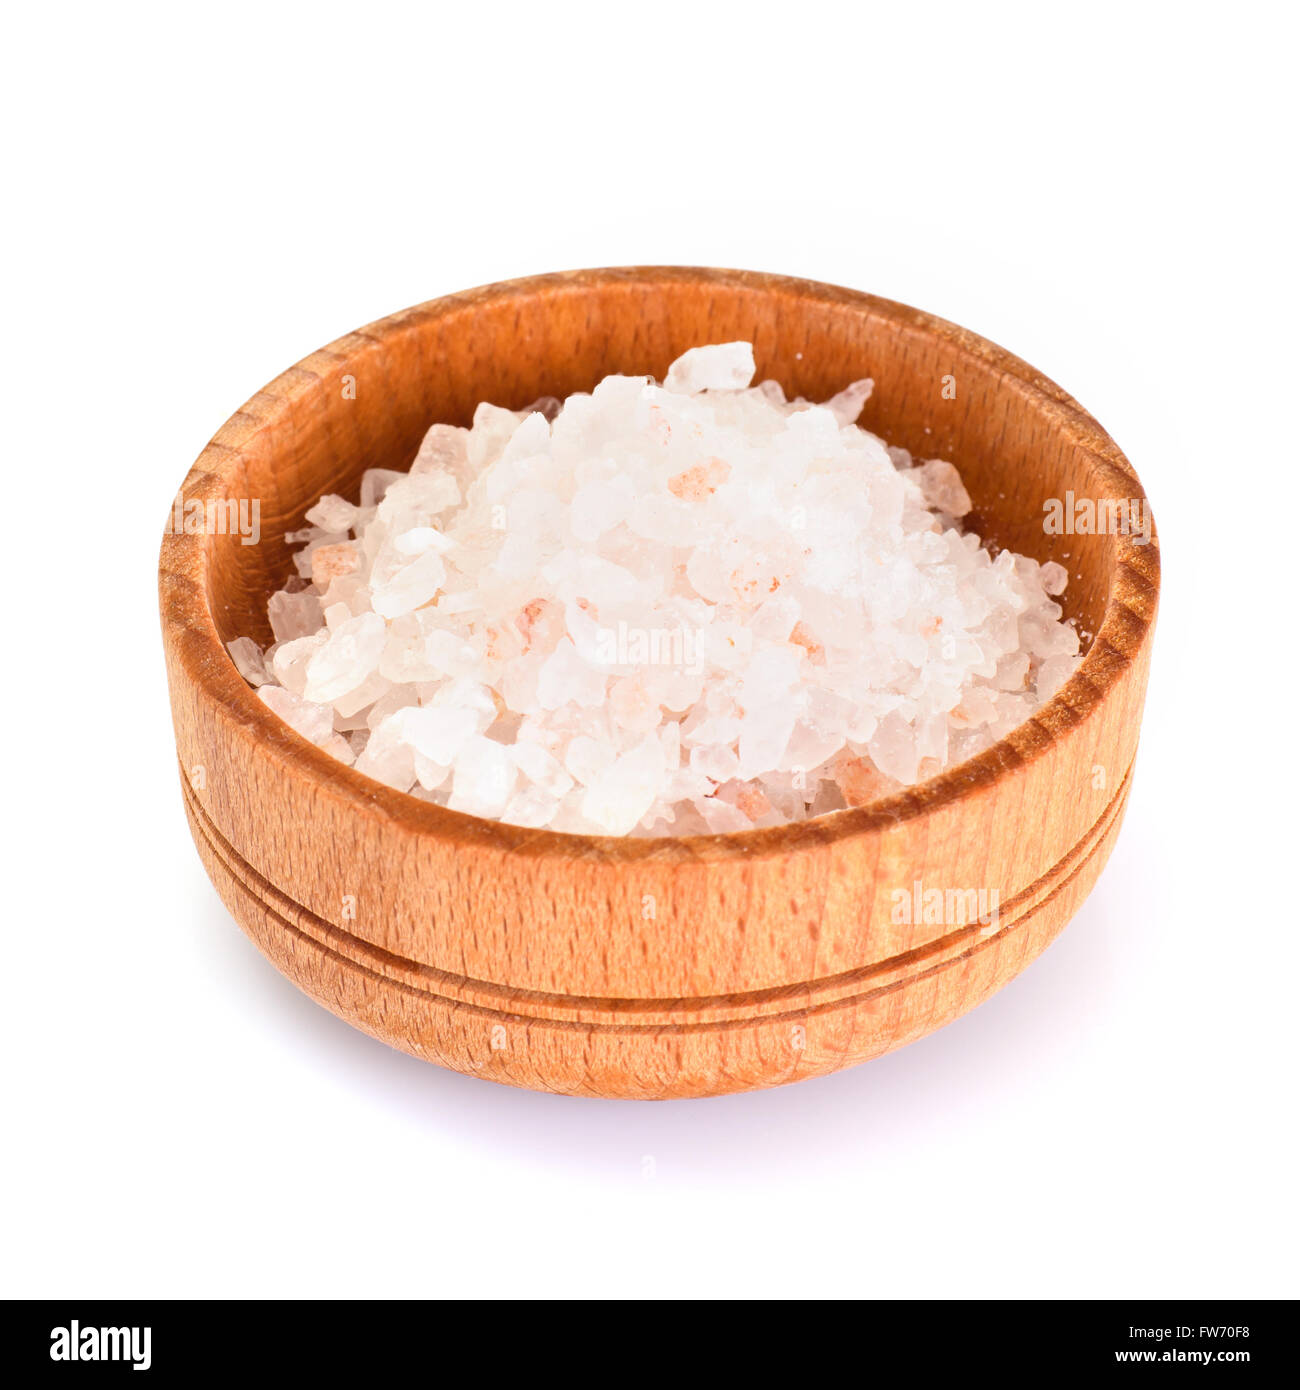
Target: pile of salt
x,y
692,608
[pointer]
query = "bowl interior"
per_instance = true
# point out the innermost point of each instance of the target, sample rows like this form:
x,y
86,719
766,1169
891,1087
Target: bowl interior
x,y
941,393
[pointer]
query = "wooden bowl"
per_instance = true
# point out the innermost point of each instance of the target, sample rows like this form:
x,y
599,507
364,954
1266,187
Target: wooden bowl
x,y
653,968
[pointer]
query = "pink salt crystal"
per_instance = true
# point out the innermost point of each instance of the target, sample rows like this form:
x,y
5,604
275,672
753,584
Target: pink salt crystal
x,y
721,817
860,781
314,722
428,774
502,643
330,562
540,620
802,637
752,802
699,481
717,761
1013,671
586,758
352,702
546,406
531,808
565,676
632,707
406,587
338,747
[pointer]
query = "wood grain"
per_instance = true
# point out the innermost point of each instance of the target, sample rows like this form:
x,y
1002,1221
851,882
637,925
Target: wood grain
x,y
651,968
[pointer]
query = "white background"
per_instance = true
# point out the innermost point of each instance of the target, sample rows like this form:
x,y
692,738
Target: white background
x,y
198,198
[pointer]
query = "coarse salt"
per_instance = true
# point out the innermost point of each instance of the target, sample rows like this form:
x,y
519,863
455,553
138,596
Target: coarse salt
x,y
688,608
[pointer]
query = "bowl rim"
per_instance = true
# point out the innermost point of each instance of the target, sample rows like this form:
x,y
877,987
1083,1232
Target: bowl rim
x,y
1127,619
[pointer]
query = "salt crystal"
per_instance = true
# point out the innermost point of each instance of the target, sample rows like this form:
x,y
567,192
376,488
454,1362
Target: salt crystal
x,y
1054,578
721,367
619,796
375,482
531,807
847,405
484,778
437,732
330,562
249,661
942,486
289,665
333,515
350,654
541,768
698,608
314,722
404,587
294,615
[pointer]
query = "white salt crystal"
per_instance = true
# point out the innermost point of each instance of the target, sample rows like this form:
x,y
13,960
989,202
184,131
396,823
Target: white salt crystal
x,y
387,758
587,758
1053,674
419,539
942,486
618,797
364,696
483,779
338,747
375,482
333,515
531,807
1054,578
289,665
294,615
437,732
695,609
445,449
248,659
764,733
721,367
541,768
565,677
406,587
847,405
350,654
718,762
